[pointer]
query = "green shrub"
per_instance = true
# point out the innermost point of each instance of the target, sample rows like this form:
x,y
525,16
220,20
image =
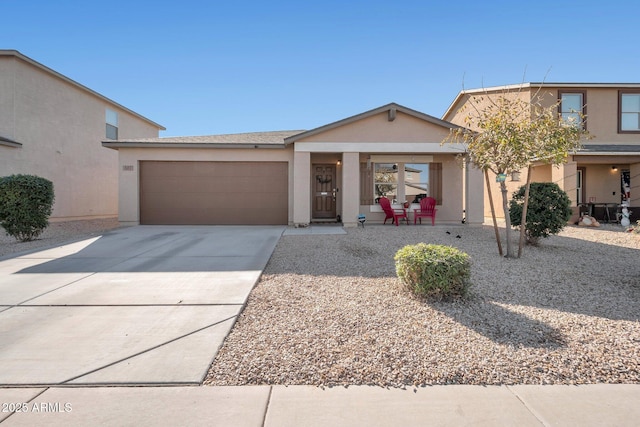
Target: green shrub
x,y
548,211
25,205
434,271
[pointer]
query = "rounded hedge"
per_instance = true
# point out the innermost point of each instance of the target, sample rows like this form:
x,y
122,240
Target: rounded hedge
x,y
548,211
434,271
26,202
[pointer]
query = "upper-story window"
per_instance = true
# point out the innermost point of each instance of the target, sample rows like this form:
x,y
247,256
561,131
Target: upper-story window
x,y
573,108
112,124
629,112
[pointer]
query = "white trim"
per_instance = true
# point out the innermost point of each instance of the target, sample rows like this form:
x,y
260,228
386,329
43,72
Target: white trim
x,y
377,147
390,158
412,207
605,153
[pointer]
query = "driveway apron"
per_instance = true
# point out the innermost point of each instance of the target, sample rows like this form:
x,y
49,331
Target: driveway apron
x,y
138,305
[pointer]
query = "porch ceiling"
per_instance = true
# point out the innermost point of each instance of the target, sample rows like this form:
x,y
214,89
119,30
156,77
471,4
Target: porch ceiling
x,y
612,159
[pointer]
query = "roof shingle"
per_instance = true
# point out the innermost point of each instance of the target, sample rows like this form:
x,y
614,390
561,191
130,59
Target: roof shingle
x,y
250,138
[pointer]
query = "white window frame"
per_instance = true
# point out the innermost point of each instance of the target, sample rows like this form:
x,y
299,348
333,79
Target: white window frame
x,y
399,162
622,113
111,120
579,185
567,114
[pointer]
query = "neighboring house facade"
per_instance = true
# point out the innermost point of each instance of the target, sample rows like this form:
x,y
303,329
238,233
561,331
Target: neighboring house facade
x,y
605,173
332,173
52,126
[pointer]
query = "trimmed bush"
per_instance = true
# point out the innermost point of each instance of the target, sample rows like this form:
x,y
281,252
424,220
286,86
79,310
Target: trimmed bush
x,y
434,271
26,202
548,212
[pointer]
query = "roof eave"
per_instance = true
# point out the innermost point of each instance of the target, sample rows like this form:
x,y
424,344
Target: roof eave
x,y
370,113
606,153
529,85
16,54
115,145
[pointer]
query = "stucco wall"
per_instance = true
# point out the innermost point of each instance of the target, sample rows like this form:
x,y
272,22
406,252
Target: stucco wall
x,y
602,117
564,175
61,128
602,123
601,183
129,207
475,103
601,109
378,128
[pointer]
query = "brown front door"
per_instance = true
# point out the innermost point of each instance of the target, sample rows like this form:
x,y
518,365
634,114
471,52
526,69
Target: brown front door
x,y
324,191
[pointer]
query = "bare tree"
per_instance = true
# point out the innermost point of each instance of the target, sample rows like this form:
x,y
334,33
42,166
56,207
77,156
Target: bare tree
x,y
508,133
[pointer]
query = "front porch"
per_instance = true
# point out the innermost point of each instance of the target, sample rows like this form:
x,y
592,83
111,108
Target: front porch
x,y
334,187
598,185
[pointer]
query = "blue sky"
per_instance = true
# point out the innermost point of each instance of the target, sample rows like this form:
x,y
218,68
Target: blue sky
x,y
210,67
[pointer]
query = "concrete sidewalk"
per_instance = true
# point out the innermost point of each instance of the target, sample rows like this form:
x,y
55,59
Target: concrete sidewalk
x,y
277,406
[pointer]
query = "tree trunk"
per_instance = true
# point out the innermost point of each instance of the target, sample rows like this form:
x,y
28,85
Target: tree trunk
x,y
507,219
493,211
523,222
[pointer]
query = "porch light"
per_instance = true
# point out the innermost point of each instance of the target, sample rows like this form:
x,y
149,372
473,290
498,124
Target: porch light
x,y
339,163
614,168
515,176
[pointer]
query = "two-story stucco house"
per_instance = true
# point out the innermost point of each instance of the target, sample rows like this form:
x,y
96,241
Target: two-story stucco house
x,y
335,172
52,126
605,173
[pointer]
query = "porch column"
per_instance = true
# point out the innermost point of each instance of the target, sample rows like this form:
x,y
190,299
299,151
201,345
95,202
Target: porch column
x,y
474,195
634,173
350,189
128,188
301,188
565,175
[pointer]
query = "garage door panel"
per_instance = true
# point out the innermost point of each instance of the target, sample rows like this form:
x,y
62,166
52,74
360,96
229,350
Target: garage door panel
x,y
213,193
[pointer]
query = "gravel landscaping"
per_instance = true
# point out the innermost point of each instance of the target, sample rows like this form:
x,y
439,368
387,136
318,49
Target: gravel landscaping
x,y
56,234
329,310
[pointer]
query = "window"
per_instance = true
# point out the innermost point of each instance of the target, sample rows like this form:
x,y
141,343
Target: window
x,y
580,186
112,124
416,181
573,107
400,182
629,116
385,181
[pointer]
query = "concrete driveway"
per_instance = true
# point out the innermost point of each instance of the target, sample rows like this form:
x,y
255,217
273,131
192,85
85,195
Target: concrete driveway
x,y
138,305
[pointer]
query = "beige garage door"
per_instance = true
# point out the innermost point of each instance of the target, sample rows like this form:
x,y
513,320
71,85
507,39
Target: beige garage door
x,y
225,193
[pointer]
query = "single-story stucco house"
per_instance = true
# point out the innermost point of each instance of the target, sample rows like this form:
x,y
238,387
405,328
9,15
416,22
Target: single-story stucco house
x,y
328,174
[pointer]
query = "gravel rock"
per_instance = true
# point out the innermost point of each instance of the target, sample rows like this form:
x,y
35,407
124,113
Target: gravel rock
x,y
57,233
329,310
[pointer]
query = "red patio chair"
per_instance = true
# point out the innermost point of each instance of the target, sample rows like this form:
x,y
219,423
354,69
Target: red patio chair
x,y
394,214
427,209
